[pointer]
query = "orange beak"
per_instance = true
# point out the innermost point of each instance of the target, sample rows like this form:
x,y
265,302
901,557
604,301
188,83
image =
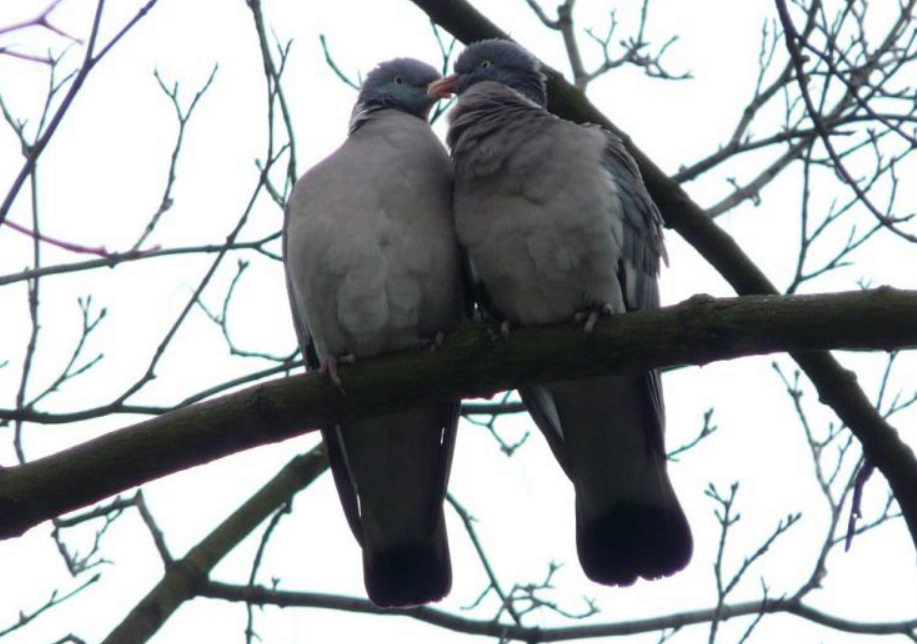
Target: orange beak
x,y
442,88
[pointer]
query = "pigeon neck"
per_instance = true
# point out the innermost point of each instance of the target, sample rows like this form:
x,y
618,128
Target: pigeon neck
x,y
363,113
484,109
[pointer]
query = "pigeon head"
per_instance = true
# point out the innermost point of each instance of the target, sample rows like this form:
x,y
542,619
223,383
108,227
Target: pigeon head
x,y
496,60
399,84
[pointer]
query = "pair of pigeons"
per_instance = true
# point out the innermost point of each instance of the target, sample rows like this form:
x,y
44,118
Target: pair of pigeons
x,y
556,224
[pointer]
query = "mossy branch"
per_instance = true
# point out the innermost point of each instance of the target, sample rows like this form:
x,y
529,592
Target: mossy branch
x,y
473,362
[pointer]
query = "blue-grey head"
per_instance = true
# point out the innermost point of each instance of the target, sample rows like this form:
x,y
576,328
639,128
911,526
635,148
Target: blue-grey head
x,y
497,60
399,84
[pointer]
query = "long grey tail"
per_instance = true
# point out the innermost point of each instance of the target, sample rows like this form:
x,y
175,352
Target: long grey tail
x,y
391,473
607,434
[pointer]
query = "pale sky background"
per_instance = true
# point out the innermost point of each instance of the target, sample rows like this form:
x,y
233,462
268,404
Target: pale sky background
x,y
102,178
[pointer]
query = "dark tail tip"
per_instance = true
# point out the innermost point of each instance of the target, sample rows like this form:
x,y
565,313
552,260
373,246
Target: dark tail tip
x,y
408,576
634,540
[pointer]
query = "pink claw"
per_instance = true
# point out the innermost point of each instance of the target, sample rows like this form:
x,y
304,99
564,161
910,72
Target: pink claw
x,y
330,365
592,316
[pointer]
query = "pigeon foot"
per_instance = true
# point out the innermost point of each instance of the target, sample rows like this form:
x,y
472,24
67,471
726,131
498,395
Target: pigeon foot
x,y
592,315
329,368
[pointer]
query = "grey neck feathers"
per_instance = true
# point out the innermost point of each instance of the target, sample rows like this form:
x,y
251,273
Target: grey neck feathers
x,y
488,124
363,113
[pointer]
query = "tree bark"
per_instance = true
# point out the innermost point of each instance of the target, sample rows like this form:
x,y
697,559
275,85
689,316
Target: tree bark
x,y
473,362
183,578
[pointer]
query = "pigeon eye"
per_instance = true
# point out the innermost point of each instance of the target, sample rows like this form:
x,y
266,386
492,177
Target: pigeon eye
x,y
398,80
485,64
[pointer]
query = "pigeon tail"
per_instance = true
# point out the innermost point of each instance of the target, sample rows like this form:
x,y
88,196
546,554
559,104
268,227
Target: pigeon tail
x,y
633,539
406,575
607,434
392,473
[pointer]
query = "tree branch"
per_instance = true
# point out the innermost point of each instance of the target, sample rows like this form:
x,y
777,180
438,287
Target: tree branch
x,y
261,596
182,579
89,62
836,386
793,39
471,363
114,258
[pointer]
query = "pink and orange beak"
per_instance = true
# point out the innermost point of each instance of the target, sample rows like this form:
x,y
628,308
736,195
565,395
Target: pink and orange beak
x,y
442,88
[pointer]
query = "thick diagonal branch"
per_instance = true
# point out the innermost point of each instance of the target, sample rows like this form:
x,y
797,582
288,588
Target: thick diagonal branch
x,y
183,577
836,386
473,362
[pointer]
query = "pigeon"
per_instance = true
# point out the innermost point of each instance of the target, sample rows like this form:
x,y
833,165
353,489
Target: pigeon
x,y
558,225
373,266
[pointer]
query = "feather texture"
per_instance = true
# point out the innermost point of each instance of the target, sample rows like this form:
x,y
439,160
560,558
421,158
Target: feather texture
x,y
556,220
373,266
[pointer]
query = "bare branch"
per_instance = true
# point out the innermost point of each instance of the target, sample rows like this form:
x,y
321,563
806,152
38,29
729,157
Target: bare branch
x,y
706,430
334,67
55,600
547,22
494,411
166,202
469,364
792,39
90,60
443,619
284,510
41,20
155,531
116,258
494,583
182,579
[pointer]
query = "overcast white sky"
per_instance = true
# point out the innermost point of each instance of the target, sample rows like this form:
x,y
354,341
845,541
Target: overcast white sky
x,y
102,177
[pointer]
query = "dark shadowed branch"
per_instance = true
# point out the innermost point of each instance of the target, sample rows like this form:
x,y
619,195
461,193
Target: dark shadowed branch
x,y
470,363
